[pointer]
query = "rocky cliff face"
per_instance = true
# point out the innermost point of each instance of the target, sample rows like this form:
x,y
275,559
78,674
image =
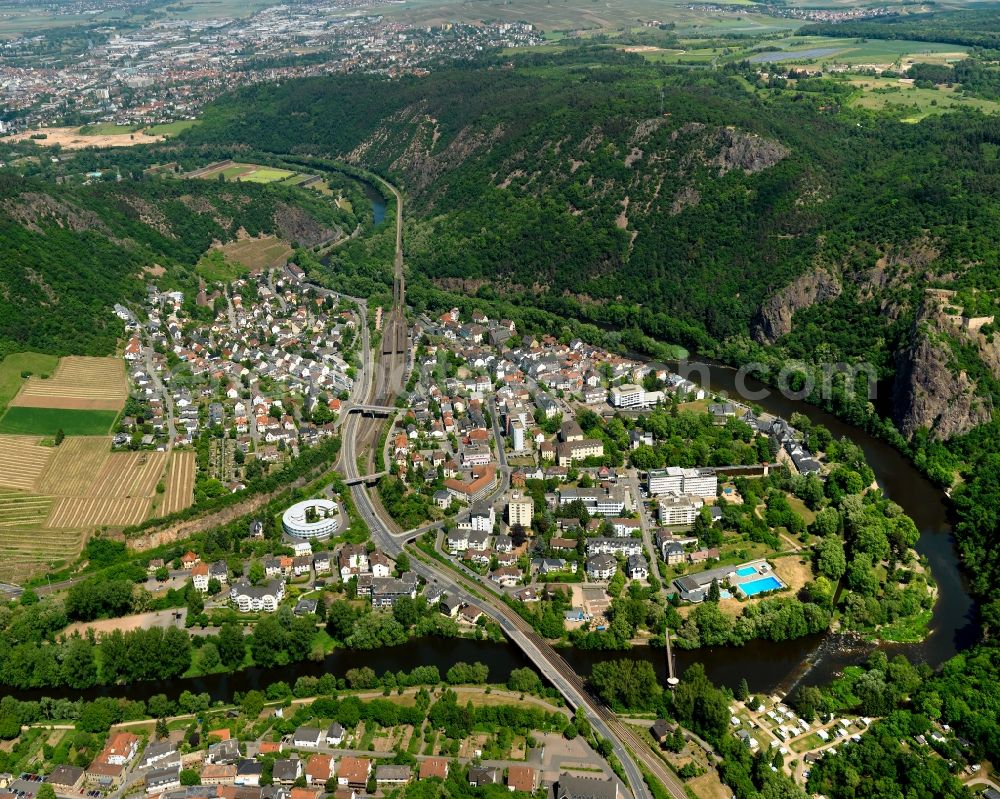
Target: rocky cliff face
x,y
774,318
746,151
928,391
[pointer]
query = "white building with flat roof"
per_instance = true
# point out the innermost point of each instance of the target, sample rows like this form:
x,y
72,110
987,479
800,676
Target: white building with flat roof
x,y
311,518
520,510
628,395
679,508
517,435
674,480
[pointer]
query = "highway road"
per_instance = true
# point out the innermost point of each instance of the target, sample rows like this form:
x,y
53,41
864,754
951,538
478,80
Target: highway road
x,y
380,385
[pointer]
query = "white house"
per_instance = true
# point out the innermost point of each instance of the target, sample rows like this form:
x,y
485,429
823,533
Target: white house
x,y
335,734
307,737
601,567
258,598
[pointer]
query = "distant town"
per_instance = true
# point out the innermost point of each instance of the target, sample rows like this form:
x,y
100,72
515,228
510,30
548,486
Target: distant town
x,y
166,70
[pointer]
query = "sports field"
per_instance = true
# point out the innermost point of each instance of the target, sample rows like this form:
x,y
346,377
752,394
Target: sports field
x,y
251,173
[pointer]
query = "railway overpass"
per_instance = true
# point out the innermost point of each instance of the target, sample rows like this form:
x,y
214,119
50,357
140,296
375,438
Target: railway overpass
x,y
627,746
372,410
365,479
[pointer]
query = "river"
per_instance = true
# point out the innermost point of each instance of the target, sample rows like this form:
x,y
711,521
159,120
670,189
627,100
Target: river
x,y
766,665
816,659
376,199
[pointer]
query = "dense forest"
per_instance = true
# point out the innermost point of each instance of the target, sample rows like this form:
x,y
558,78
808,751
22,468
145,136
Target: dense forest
x,y
593,193
739,219
976,28
562,174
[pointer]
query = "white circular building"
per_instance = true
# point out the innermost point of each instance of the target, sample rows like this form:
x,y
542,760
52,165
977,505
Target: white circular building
x,y
311,518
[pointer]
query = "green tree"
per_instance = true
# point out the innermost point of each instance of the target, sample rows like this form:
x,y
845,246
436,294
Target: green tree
x,y
231,645
189,776
831,560
629,684
524,680
256,573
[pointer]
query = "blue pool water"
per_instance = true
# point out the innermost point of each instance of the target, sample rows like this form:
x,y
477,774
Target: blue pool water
x,y
768,583
746,571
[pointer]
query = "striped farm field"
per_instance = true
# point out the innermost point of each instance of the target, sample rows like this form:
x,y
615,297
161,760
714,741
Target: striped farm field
x,y
73,512
31,550
129,474
75,466
79,383
22,461
179,492
18,509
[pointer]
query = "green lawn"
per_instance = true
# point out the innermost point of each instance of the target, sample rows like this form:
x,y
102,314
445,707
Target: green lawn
x,y
11,367
266,174
48,421
214,266
912,104
169,129
235,171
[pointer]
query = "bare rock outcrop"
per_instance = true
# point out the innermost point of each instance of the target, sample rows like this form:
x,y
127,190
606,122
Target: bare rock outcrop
x,y
297,226
929,390
746,151
774,318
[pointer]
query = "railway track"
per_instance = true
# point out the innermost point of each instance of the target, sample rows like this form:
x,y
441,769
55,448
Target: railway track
x,y
636,746
360,435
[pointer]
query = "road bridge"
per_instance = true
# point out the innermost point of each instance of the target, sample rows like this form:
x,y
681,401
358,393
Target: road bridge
x,y
626,744
365,479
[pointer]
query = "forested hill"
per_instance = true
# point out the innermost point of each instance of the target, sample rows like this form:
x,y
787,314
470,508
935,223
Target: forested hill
x,y
726,210
71,252
756,221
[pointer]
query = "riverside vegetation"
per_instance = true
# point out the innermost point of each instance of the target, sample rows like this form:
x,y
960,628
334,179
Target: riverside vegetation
x,y
750,221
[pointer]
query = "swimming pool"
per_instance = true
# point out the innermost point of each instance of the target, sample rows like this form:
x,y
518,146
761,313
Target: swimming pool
x,y
769,583
746,571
